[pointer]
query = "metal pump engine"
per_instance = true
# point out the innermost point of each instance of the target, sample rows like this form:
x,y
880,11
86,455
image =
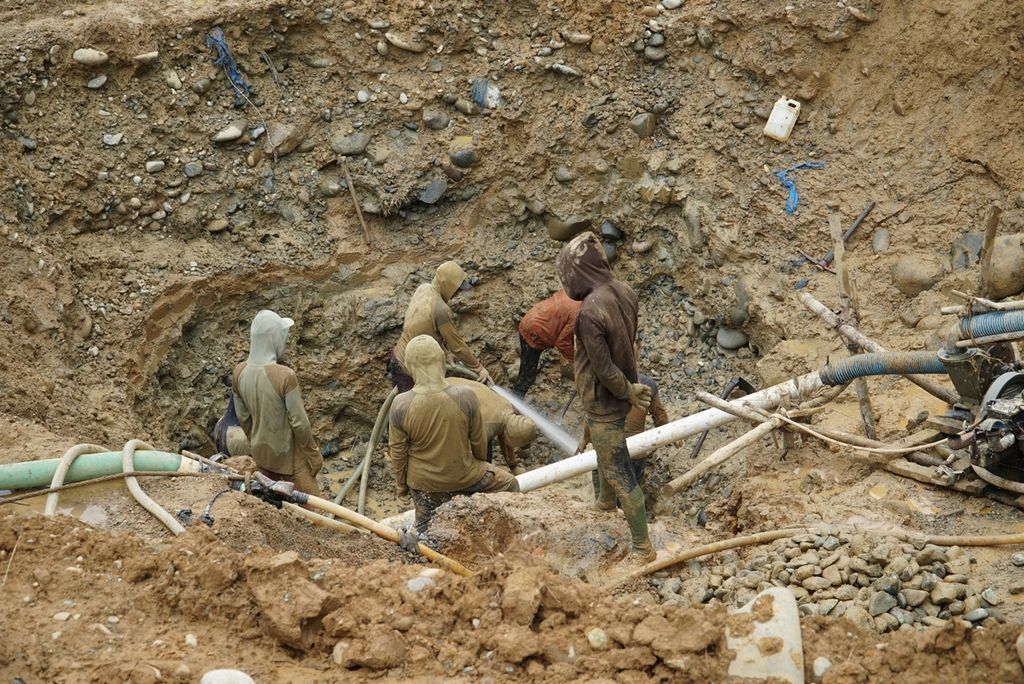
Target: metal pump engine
x,y
997,438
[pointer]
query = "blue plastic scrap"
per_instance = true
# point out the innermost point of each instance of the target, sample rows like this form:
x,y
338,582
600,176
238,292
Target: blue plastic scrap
x,y
794,199
215,40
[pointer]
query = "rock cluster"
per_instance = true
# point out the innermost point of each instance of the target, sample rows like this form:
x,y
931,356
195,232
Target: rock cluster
x,y
878,583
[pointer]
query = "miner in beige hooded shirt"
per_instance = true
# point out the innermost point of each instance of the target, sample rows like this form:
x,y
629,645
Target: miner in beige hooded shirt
x,y
429,314
269,407
437,437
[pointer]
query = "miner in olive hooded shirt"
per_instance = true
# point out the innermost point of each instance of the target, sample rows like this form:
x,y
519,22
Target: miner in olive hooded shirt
x,y
606,375
437,437
429,314
269,407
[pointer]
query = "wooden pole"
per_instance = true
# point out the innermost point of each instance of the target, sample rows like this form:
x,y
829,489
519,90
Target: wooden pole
x,y
355,200
987,248
867,344
719,457
851,313
384,532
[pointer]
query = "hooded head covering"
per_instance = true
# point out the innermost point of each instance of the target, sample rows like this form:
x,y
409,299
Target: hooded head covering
x,y
266,338
448,279
519,431
424,360
583,266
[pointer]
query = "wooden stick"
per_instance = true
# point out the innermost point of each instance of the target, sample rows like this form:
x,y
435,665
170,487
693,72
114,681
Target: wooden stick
x,y
756,414
987,248
854,335
706,550
848,301
720,456
384,532
990,339
355,200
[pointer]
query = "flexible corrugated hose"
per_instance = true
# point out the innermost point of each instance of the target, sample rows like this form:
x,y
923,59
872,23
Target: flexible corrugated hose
x,y
994,323
888,363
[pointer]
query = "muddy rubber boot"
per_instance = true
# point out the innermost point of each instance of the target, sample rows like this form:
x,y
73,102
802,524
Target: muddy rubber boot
x,y
604,496
636,518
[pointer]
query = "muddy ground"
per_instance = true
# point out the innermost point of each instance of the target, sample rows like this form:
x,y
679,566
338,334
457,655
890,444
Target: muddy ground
x,y
137,249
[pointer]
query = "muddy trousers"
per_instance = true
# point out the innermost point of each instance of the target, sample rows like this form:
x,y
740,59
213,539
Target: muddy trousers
x,y
617,479
494,480
303,476
529,362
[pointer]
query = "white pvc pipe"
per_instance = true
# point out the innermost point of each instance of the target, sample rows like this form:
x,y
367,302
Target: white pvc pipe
x,y
795,389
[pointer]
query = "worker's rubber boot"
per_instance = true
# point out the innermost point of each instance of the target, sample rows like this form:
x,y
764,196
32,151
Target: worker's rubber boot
x,y
636,518
604,495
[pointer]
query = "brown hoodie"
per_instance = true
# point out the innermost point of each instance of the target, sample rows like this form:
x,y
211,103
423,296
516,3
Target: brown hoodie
x,y
429,314
606,326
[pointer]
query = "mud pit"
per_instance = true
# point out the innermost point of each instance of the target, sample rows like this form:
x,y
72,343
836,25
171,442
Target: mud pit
x,y
128,291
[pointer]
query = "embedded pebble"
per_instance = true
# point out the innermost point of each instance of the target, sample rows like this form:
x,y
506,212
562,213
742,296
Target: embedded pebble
x,y
155,166
62,616
171,78
729,338
191,640
193,169
820,666
146,57
233,131
226,677
418,584
111,139
597,639
435,119
363,96
976,615
671,4
1018,559
655,54
96,83
89,57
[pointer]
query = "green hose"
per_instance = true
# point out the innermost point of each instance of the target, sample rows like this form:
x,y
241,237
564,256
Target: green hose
x,y
32,474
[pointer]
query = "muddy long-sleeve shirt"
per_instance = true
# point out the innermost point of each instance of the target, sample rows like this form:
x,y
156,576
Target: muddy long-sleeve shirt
x,y
605,361
269,407
551,323
437,439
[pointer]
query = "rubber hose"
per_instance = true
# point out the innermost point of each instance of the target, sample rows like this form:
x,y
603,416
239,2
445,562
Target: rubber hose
x,y
128,466
378,427
997,481
460,372
888,363
62,470
994,323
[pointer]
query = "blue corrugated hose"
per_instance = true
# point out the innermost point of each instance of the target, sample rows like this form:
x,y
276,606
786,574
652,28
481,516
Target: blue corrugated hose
x,y
994,323
887,363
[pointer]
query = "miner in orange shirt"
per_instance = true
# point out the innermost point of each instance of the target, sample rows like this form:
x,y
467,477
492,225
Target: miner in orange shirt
x,y
549,324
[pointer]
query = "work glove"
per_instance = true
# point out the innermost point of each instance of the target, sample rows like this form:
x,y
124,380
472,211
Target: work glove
x,y
639,396
483,376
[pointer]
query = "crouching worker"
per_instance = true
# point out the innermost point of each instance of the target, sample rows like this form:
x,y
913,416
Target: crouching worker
x,y
606,376
437,437
268,404
504,427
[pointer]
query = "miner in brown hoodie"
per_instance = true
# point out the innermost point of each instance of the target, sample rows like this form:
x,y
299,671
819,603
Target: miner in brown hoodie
x,y
429,313
437,437
606,375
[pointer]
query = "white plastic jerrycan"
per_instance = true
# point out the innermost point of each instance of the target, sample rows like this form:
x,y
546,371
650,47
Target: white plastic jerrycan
x,y
782,119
